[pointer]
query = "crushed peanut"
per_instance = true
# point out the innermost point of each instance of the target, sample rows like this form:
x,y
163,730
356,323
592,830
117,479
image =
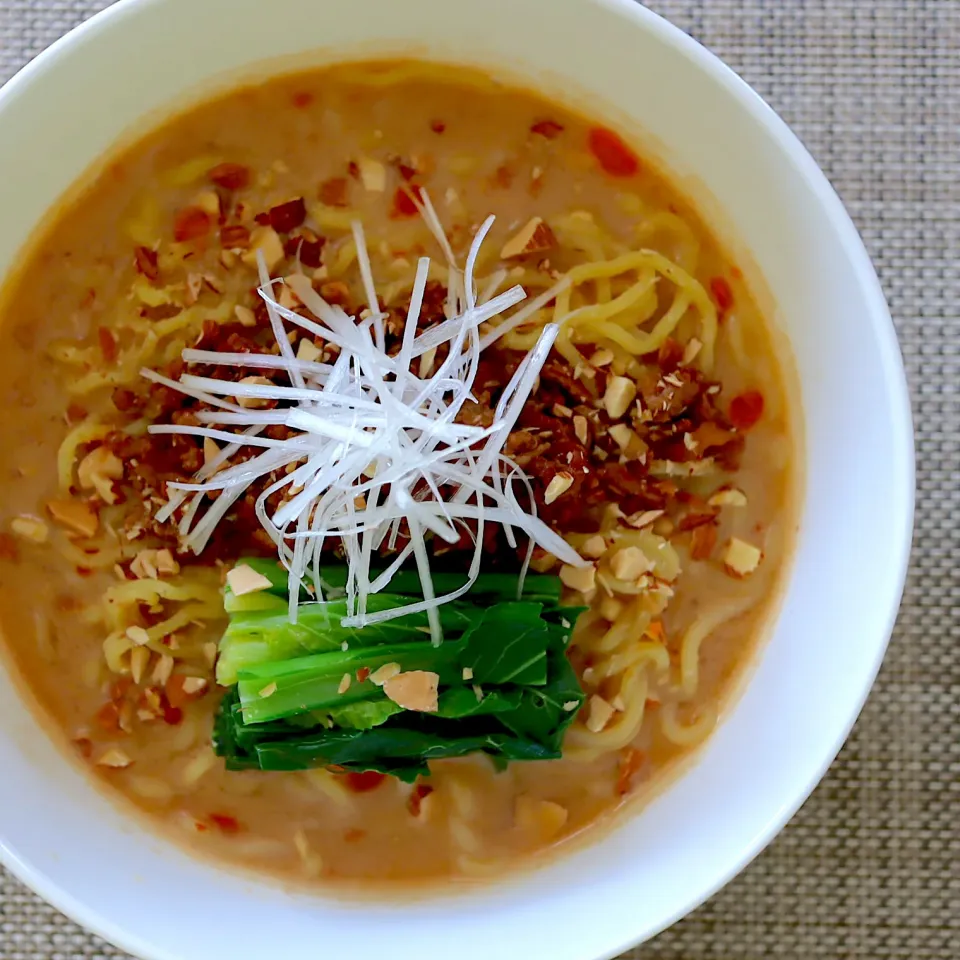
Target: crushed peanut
x,y
79,518
193,686
601,358
581,429
559,485
414,690
373,174
643,519
599,713
254,403
266,241
137,635
97,471
243,579
345,682
211,451
139,658
583,579
382,674
594,548
728,497
691,350
622,435
30,528
114,758
163,670
245,316
308,351
628,563
741,558
619,395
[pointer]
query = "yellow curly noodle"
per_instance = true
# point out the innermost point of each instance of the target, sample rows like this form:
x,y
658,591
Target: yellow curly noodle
x,y
616,299
185,604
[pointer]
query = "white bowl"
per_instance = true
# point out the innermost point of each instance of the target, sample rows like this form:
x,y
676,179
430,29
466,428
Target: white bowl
x,y
762,190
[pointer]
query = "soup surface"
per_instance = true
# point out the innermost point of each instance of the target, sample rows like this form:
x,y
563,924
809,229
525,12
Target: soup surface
x,y
657,440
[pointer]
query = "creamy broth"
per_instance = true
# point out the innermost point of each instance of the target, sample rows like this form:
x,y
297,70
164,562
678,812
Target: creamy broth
x,y
478,148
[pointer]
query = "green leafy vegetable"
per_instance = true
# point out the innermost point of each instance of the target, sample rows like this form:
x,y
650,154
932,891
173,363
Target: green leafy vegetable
x,y
301,693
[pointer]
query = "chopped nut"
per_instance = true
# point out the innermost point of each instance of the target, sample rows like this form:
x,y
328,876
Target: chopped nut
x,y
209,202
599,713
97,470
629,563
115,759
245,316
138,636
581,429
534,237
192,686
618,397
414,690
691,350
728,497
139,658
559,410
611,608
30,528
78,517
601,358
244,579
194,286
167,566
594,548
468,673
269,690
344,683
622,435
542,818
210,451
741,558
560,484
163,670
583,579
373,174
689,442
308,351
426,361
382,674
267,241
643,519
570,705
143,565
253,403
287,299
690,468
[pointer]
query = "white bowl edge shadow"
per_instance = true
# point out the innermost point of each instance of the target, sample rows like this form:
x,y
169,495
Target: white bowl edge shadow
x,y
684,861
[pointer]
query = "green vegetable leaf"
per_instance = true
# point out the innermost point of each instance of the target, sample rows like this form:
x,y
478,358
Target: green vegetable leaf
x,y
364,715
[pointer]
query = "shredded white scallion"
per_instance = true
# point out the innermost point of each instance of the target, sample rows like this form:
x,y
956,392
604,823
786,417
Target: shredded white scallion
x,y
372,444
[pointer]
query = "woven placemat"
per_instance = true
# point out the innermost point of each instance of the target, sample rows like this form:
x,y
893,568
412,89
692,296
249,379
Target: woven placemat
x,y
869,867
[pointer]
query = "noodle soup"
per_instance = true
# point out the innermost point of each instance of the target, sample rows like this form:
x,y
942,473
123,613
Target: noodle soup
x,y
646,476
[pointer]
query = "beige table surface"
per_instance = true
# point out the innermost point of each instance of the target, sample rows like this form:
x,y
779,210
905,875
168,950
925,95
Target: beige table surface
x,y
870,867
